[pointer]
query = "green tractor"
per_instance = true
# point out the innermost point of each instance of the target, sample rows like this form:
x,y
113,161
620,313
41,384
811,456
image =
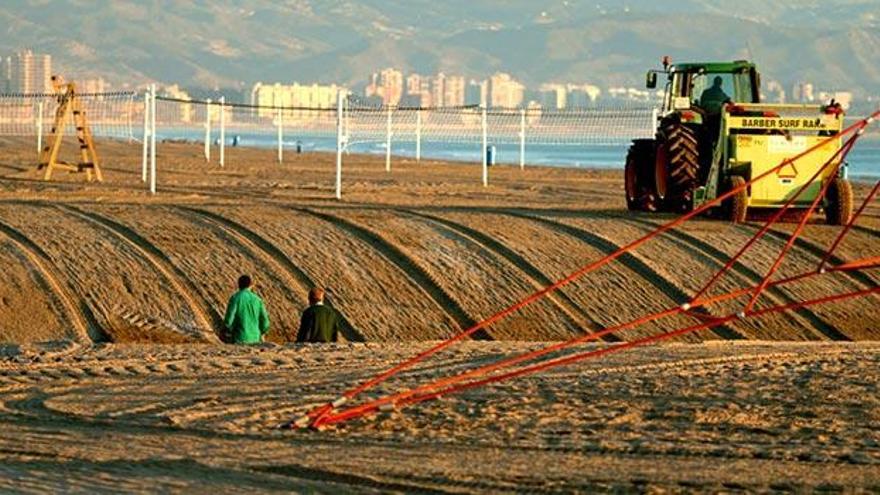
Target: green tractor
x,y
713,134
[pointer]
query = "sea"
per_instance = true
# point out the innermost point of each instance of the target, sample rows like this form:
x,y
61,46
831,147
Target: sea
x,y
863,162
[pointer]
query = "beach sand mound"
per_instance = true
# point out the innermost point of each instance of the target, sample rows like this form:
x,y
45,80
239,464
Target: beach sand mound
x,y
747,416
416,254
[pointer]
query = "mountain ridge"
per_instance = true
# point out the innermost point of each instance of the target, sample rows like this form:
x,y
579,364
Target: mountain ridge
x,y
221,43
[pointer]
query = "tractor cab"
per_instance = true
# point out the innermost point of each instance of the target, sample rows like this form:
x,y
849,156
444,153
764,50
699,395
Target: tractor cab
x,y
703,88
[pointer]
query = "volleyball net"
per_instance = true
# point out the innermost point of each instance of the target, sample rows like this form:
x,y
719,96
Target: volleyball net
x,y
113,115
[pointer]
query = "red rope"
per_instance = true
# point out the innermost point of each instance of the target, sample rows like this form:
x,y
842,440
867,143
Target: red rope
x,y
842,152
600,352
766,227
376,404
315,416
849,226
860,264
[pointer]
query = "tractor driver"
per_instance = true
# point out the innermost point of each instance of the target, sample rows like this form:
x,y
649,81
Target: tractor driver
x,y
714,97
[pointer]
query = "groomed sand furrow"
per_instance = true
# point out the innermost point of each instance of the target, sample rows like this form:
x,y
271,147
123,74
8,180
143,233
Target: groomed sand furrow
x,y
586,322
729,239
481,281
130,326
411,268
207,320
211,259
706,412
600,294
266,250
702,249
663,284
361,279
866,230
83,322
804,257
274,257
230,256
30,310
862,280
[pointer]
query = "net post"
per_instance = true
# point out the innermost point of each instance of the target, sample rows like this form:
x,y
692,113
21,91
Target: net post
x,y
39,124
222,131
147,108
388,141
280,117
652,127
152,139
522,139
485,141
129,118
339,144
208,131
418,135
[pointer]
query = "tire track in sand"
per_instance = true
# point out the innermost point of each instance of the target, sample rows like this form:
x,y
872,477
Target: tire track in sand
x,y
630,261
206,318
862,281
539,280
271,256
410,267
701,249
83,320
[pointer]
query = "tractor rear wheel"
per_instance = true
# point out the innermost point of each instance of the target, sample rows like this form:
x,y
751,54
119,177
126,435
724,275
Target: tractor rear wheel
x,y
676,165
838,202
637,173
736,207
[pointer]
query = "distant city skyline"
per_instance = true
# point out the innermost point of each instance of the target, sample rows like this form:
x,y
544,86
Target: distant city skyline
x,y
29,72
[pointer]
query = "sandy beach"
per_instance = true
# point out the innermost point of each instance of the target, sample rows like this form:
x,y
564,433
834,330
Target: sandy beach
x,y
112,376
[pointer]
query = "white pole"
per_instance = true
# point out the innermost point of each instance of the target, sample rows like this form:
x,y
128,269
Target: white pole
x,y
388,142
208,131
418,135
653,127
339,118
152,139
280,118
146,135
522,139
130,114
39,128
485,145
222,131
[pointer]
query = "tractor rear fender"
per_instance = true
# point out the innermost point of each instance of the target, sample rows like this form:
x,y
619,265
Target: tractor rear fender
x,y
645,168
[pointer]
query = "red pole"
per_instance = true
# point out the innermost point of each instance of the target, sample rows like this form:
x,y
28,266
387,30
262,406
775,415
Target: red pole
x,y
766,227
401,397
797,232
849,225
617,348
314,417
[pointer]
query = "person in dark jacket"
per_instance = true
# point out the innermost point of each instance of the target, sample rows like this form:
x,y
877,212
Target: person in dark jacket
x,y
319,322
246,320
714,97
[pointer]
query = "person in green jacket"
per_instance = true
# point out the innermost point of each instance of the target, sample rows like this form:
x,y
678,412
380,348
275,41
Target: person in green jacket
x,y
319,322
246,317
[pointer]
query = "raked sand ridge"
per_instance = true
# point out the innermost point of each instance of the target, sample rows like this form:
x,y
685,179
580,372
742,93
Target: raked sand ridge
x,y
412,257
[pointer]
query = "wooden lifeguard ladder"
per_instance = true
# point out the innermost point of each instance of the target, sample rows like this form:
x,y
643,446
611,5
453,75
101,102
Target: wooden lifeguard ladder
x,y
69,103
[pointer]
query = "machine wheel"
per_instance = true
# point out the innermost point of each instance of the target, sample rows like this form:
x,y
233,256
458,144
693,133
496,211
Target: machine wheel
x,y
676,165
639,193
838,202
736,207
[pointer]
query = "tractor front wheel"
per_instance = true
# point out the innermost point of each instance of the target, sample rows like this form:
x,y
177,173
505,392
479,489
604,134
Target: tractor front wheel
x,y
639,193
736,207
676,165
838,202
